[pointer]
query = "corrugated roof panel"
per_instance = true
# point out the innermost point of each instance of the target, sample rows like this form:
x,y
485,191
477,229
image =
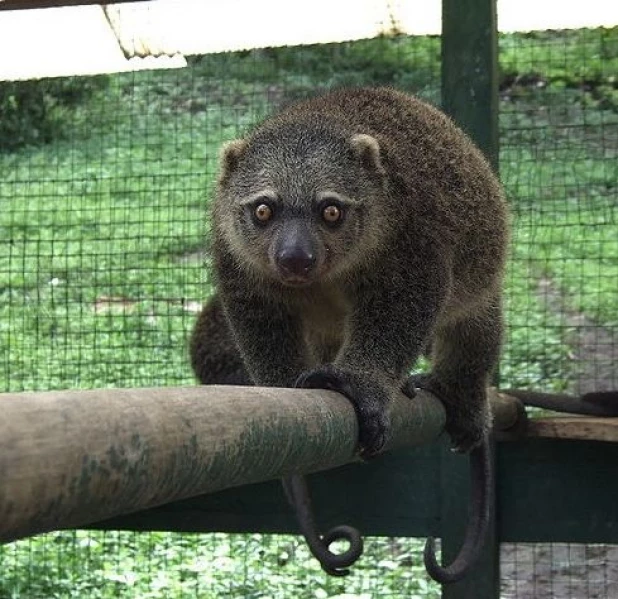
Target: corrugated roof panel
x,y
159,33
56,42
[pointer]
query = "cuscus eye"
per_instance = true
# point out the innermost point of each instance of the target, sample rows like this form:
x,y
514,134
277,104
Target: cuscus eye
x,y
263,213
332,214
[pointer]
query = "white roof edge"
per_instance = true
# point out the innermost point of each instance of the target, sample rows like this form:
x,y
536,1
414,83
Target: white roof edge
x,y
80,40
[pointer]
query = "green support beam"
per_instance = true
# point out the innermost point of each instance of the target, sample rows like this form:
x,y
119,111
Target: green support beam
x,y
470,97
470,70
539,496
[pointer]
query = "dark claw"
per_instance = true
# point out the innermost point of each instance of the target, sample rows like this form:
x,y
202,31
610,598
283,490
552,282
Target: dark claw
x,y
323,379
418,381
408,388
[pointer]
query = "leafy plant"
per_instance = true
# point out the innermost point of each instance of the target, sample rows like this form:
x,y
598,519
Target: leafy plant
x,y
36,112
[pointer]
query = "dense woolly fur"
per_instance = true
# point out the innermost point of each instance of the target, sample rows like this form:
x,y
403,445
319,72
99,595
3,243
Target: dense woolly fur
x,y
414,260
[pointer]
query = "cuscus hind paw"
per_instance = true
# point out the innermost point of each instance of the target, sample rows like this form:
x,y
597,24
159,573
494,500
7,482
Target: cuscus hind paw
x,y
467,415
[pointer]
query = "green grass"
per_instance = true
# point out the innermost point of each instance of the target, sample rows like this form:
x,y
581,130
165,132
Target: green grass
x,y
103,267
104,240
583,59
75,565
559,163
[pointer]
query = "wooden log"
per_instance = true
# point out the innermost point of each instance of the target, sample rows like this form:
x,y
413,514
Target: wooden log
x,y
584,428
69,458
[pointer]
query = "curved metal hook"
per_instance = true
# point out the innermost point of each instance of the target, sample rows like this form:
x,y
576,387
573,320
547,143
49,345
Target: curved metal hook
x,y
481,493
335,564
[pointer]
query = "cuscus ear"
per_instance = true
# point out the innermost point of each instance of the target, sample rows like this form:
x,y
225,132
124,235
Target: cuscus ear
x,y
367,150
230,156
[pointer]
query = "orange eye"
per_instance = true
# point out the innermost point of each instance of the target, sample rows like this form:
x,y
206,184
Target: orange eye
x,y
331,214
263,213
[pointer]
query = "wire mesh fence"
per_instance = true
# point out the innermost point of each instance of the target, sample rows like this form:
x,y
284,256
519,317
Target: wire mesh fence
x,y
127,565
548,570
104,188
559,144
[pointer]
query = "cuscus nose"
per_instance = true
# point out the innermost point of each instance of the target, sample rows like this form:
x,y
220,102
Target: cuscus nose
x,y
296,261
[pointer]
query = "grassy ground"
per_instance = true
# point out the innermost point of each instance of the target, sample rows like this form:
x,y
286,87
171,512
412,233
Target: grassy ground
x,y
104,270
125,565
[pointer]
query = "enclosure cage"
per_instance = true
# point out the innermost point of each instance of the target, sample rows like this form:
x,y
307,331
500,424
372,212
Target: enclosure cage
x,y
105,182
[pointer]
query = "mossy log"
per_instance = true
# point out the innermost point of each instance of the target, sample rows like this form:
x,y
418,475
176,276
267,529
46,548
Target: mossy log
x,y
70,458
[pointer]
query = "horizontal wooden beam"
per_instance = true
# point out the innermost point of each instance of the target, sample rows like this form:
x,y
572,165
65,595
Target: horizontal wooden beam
x,y
69,458
547,490
584,428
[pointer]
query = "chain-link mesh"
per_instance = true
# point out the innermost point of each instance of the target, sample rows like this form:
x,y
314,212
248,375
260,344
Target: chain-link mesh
x,y
557,570
103,196
559,151
559,164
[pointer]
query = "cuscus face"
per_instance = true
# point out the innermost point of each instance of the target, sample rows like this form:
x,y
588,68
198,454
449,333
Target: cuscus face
x,y
300,202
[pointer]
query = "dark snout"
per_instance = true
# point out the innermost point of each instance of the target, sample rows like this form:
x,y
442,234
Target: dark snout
x,y
295,254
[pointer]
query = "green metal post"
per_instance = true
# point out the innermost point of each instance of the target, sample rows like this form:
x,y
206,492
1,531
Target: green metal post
x,y
470,70
470,97
483,580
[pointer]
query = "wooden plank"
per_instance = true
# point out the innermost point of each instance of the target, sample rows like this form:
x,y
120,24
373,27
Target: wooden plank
x,y
574,427
71,458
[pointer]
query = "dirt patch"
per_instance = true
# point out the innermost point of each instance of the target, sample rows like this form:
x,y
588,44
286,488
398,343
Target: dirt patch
x,y
595,347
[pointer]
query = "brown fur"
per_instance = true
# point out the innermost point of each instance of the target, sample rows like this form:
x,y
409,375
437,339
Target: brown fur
x,y
418,260
350,232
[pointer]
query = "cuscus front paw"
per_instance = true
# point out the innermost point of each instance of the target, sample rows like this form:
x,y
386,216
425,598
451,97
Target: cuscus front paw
x,y
422,380
468,432
415,382
468,419
368,398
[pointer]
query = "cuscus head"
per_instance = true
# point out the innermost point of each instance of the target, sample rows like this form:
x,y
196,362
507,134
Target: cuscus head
x,y
300,201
